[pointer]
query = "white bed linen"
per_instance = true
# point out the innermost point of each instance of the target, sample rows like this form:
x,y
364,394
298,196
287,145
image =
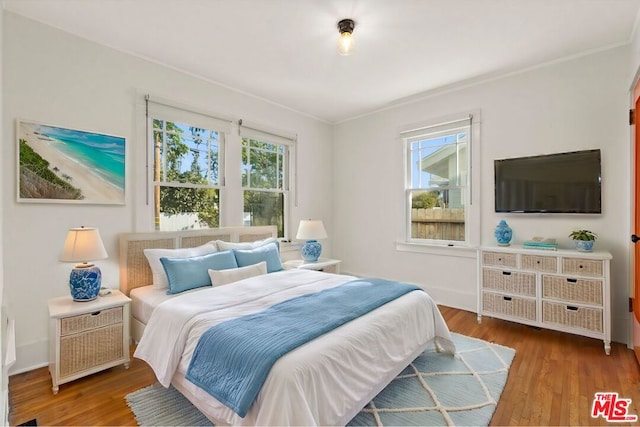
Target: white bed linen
x,y
145,299
324,382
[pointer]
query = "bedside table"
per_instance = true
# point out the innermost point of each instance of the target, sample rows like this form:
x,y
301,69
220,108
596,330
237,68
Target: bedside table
x,y
323,264
87,337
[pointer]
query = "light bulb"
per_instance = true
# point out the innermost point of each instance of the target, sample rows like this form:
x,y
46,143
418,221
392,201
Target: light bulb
x,y
345,44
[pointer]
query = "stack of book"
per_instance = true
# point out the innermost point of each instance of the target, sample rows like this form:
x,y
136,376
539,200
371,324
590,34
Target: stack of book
x,y
541,243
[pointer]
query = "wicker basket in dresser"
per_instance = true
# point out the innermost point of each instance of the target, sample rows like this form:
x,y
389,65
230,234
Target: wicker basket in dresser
x,y
563,290
87,337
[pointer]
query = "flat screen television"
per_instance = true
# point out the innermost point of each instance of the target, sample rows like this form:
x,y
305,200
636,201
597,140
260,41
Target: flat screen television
x,y
553,183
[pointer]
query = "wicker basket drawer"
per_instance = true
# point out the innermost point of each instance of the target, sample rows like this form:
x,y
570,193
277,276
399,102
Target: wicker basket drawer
x,y
87,350
499,259
572,290
512,282
548,264
522,308
585,267
88,321
589,319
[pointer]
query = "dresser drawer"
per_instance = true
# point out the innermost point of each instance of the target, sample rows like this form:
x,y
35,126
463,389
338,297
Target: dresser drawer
x,y
572,289
589,319
522,308
547,264
87,350
584,267
88,321
499,259
511,282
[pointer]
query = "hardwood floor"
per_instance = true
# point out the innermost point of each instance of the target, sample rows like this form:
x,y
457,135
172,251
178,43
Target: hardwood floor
x,y
552,381
97,399
554,375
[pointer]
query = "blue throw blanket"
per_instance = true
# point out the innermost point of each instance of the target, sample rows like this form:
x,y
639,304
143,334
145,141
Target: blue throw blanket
x,y
232,359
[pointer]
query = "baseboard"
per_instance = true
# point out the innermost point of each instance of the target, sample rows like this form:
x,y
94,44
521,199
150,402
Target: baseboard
x,y
31,356
453,298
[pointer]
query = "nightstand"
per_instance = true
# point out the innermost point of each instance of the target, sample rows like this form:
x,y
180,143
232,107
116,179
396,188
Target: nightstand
x,y
87,337
323,264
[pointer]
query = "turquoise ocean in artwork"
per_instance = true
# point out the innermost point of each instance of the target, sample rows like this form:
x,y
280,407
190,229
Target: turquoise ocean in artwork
x,y
103,154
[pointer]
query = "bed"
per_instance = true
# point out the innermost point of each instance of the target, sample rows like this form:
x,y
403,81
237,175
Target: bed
x,y
326,381
135,271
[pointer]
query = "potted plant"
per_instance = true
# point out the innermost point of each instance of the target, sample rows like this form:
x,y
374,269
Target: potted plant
x,y
583,239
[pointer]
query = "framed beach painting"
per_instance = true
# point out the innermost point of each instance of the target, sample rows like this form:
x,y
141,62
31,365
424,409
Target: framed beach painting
x,y
62,165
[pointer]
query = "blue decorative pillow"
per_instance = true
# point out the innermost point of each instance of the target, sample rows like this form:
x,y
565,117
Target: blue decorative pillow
x,y
268,253
190,273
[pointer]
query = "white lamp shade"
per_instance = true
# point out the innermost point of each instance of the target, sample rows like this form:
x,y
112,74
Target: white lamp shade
x,y
82,245
311,229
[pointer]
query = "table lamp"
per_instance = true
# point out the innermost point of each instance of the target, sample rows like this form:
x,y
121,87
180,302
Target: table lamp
x,y
311,230
83,245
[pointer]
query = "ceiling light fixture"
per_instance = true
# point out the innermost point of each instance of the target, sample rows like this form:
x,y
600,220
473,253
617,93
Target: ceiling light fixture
x,y
345,42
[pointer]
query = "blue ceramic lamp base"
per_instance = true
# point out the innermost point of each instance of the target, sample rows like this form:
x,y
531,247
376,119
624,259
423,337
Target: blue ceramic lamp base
x,y
311,250
84,282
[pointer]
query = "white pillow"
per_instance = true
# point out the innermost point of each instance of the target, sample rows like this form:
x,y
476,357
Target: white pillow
x,y
224,277
157,270
225,246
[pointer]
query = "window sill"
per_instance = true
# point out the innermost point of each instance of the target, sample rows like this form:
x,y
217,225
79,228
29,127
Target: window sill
x,y
455,251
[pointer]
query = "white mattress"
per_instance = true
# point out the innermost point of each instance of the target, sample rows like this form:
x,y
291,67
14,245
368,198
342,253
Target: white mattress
x,y
324,382
145,299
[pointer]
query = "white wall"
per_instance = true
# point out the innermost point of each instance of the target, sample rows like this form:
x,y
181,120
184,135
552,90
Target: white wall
x,y
634,63
566,106
56,78
4,380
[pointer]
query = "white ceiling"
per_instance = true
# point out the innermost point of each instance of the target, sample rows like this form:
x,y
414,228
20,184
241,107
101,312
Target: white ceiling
x,y
285,51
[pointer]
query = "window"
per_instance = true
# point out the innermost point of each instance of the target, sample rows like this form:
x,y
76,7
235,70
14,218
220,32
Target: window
x,y
187,184
437,189
188,153
265,182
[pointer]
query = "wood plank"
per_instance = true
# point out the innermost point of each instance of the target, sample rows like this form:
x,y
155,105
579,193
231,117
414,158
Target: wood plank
x,y
554,376
94,400
552,381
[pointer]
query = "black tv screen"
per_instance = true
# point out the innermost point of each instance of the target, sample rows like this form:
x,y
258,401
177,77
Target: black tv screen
x,y
554,183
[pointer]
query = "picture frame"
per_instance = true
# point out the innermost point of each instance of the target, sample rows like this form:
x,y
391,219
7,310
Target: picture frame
x,y
64,165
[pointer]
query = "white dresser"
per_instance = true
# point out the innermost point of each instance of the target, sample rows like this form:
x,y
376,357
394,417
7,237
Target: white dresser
x,y
565,290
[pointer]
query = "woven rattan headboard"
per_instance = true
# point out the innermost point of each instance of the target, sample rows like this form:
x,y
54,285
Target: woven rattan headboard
x,y
134,269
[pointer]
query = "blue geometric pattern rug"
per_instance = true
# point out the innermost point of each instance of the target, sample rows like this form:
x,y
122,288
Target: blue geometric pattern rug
x,y
439,389
435,389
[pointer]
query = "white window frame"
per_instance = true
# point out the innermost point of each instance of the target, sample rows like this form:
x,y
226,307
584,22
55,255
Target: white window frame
x,y
281,138
467,247
168,111
231,190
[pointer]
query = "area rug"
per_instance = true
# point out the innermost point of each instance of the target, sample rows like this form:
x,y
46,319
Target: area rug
x,y
435,389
